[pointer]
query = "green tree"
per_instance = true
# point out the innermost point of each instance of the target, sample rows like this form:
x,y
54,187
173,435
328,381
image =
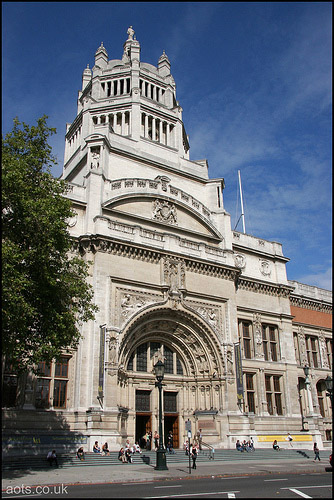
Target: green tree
x,y
45,292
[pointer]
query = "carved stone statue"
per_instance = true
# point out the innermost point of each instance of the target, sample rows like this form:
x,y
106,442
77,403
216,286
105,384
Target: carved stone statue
x,y
130,32
95,160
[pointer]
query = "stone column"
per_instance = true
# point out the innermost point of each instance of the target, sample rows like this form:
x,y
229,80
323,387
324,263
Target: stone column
x,y
153,129
146,126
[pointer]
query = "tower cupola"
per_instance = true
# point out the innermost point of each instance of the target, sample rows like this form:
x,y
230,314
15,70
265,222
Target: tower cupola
x,y
101,57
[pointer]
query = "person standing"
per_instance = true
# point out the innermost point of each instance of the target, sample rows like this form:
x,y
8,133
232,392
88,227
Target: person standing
x,y
156,440
194,454
199,438
316,452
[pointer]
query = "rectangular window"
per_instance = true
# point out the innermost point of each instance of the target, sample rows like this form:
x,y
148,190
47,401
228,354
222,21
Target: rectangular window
x,y
250,392
143,400
296,346
274,394
265,343
321,400
312,351
142,358
61,368
245,335
42,393
52,381
59,393
270,342
269,395
329,349
170,404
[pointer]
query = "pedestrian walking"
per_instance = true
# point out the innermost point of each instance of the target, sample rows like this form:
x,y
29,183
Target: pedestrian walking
x,y
316,452
289,438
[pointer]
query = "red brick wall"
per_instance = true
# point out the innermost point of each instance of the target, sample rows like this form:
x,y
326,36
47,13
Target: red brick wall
x,y
310,317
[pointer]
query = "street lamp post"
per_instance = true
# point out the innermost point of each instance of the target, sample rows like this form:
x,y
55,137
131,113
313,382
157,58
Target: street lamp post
x,y
159,369
329,388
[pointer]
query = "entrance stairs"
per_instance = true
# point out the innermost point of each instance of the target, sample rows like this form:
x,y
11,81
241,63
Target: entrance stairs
x,y
149,458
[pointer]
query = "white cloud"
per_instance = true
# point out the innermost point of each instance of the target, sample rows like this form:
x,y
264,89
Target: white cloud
x,y
322,279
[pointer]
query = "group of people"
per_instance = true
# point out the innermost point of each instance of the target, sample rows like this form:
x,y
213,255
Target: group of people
x,y
124,454
245,445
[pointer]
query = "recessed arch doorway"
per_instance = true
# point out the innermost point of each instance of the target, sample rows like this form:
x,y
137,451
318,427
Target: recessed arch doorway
x,y
193,360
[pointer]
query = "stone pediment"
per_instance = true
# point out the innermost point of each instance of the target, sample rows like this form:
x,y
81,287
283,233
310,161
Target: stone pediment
x,y
160,204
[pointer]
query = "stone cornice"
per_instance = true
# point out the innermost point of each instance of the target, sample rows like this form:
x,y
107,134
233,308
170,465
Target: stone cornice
x,y
97,243
313,304
253,285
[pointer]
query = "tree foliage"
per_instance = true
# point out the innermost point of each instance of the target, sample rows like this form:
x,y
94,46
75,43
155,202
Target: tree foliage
x,y
45,292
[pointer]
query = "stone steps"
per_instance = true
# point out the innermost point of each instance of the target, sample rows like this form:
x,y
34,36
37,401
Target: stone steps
x,y
96,460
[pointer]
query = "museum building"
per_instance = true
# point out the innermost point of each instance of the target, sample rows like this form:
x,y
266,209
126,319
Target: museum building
x,y
246,351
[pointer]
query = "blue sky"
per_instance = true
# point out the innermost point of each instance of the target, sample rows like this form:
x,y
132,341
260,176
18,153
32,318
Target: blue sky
x,y
254,82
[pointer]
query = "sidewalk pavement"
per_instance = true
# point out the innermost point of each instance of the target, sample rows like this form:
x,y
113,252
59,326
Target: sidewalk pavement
x,y
135,473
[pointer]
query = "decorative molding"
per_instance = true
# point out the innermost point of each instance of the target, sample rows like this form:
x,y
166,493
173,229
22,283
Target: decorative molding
x,y
312,304
240,261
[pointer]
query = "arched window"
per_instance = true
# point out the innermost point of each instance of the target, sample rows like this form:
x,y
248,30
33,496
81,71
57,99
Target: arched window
x,y
146,355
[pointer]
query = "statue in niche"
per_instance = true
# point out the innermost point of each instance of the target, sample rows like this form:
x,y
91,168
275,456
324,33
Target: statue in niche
x,y
95,160
113,350
229,360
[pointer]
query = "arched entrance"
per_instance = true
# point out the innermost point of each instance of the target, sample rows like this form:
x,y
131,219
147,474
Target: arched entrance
x,y
194,370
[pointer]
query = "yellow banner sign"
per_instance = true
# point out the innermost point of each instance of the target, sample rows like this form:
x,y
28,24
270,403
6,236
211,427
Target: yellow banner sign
x,y
270,439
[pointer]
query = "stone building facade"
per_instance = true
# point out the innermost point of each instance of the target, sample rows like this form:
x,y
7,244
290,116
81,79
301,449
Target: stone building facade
x,y
174,282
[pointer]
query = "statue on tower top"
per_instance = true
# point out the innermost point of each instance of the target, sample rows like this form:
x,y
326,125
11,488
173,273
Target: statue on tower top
x,y
130,32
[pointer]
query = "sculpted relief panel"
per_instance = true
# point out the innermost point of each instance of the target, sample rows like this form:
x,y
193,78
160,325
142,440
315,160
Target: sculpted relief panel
x,y
130,301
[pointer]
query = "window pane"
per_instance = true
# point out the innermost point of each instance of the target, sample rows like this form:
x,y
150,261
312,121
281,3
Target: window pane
x,y
278,403
142,358
267,381
130,363
277,384
42,393
179,369
59,394
273,350
269,403
61,368
170,402
245,329
251,402
265,350
272,335
44,369
247,348
168,360
249,381
143,400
